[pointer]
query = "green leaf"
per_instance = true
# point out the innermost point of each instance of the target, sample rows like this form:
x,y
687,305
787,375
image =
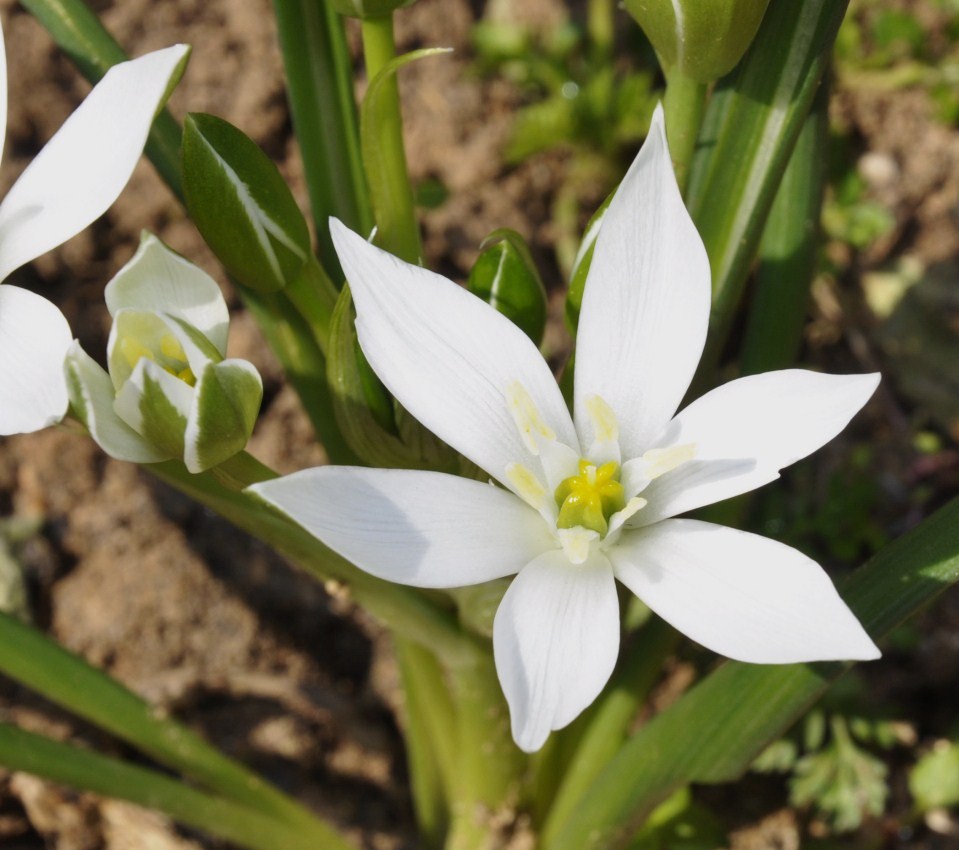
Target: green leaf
x,y
25,751
748,135
934,781
364,9
505,277
716,729
241,205
581,264
225,404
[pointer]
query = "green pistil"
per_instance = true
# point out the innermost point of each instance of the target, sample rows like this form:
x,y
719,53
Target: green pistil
x,y
589,499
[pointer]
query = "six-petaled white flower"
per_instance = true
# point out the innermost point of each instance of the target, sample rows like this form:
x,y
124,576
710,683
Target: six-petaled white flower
x,y
591,498
69,184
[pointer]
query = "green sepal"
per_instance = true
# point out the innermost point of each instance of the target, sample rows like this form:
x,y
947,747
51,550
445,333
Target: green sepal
x,y
91,402
156,405
225,405
710,38
505,277
241,205
366,9
581,264
379,431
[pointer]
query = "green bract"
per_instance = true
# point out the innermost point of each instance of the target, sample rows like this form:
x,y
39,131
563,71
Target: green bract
x,y
702,39
505,277
242,205
169,392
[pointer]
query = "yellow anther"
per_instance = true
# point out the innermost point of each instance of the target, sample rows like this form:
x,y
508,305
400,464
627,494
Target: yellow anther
x,y
134,351
186,375
660,461
605,426
589,499
527,417
170,347
526,485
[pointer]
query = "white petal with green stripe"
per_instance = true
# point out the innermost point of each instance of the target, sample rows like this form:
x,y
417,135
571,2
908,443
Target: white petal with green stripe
x,y
156,404
226,402
91,399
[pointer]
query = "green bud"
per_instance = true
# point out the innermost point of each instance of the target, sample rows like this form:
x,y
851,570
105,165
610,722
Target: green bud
x,y
241,205
708,40
364,9
505,277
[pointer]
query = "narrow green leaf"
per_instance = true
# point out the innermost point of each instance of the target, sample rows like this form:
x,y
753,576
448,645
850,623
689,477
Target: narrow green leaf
x,y
319,74
788,253
90,771
505,276
364,9
584,257
241,205
748,135
225,404
713,732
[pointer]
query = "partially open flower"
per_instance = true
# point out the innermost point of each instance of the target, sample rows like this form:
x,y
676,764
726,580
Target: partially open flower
x,y
170,392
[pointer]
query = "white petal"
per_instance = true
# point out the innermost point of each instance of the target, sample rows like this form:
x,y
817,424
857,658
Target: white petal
x,y
449,358
159,280
92,395
739,594
745,431
424,529
34,339
646,302
555,641
83,168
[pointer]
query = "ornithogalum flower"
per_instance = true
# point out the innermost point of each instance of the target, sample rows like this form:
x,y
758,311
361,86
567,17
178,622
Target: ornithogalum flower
x,y
69,184
170,392
582,500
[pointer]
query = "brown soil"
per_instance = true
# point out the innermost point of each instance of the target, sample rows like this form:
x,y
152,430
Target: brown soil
x,y
170,599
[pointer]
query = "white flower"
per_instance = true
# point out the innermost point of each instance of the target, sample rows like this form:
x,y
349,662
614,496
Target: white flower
x,y
69,184
589,499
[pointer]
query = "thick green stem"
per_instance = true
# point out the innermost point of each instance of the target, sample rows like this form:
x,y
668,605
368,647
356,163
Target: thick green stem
x,y
383,149
608,723
320,90
684,105
89,771
489,765
429,728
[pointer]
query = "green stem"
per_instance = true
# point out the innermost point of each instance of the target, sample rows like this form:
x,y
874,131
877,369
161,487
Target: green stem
x,y
383,149
429,729
489,765
31,658
599,26
320,91
90,771
608,723
684,104
411,613
314,296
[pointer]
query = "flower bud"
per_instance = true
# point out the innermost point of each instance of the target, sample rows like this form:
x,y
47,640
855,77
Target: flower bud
x,y
169,392
702,39
365,9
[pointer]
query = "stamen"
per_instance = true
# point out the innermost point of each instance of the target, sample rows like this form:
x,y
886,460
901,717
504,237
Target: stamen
x,y
660,461
134,350
576,543
170,347
605,426
526,485
527,418
589,499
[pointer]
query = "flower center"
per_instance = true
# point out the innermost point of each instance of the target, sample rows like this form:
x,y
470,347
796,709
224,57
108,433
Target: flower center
x,y
171,357
589,499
